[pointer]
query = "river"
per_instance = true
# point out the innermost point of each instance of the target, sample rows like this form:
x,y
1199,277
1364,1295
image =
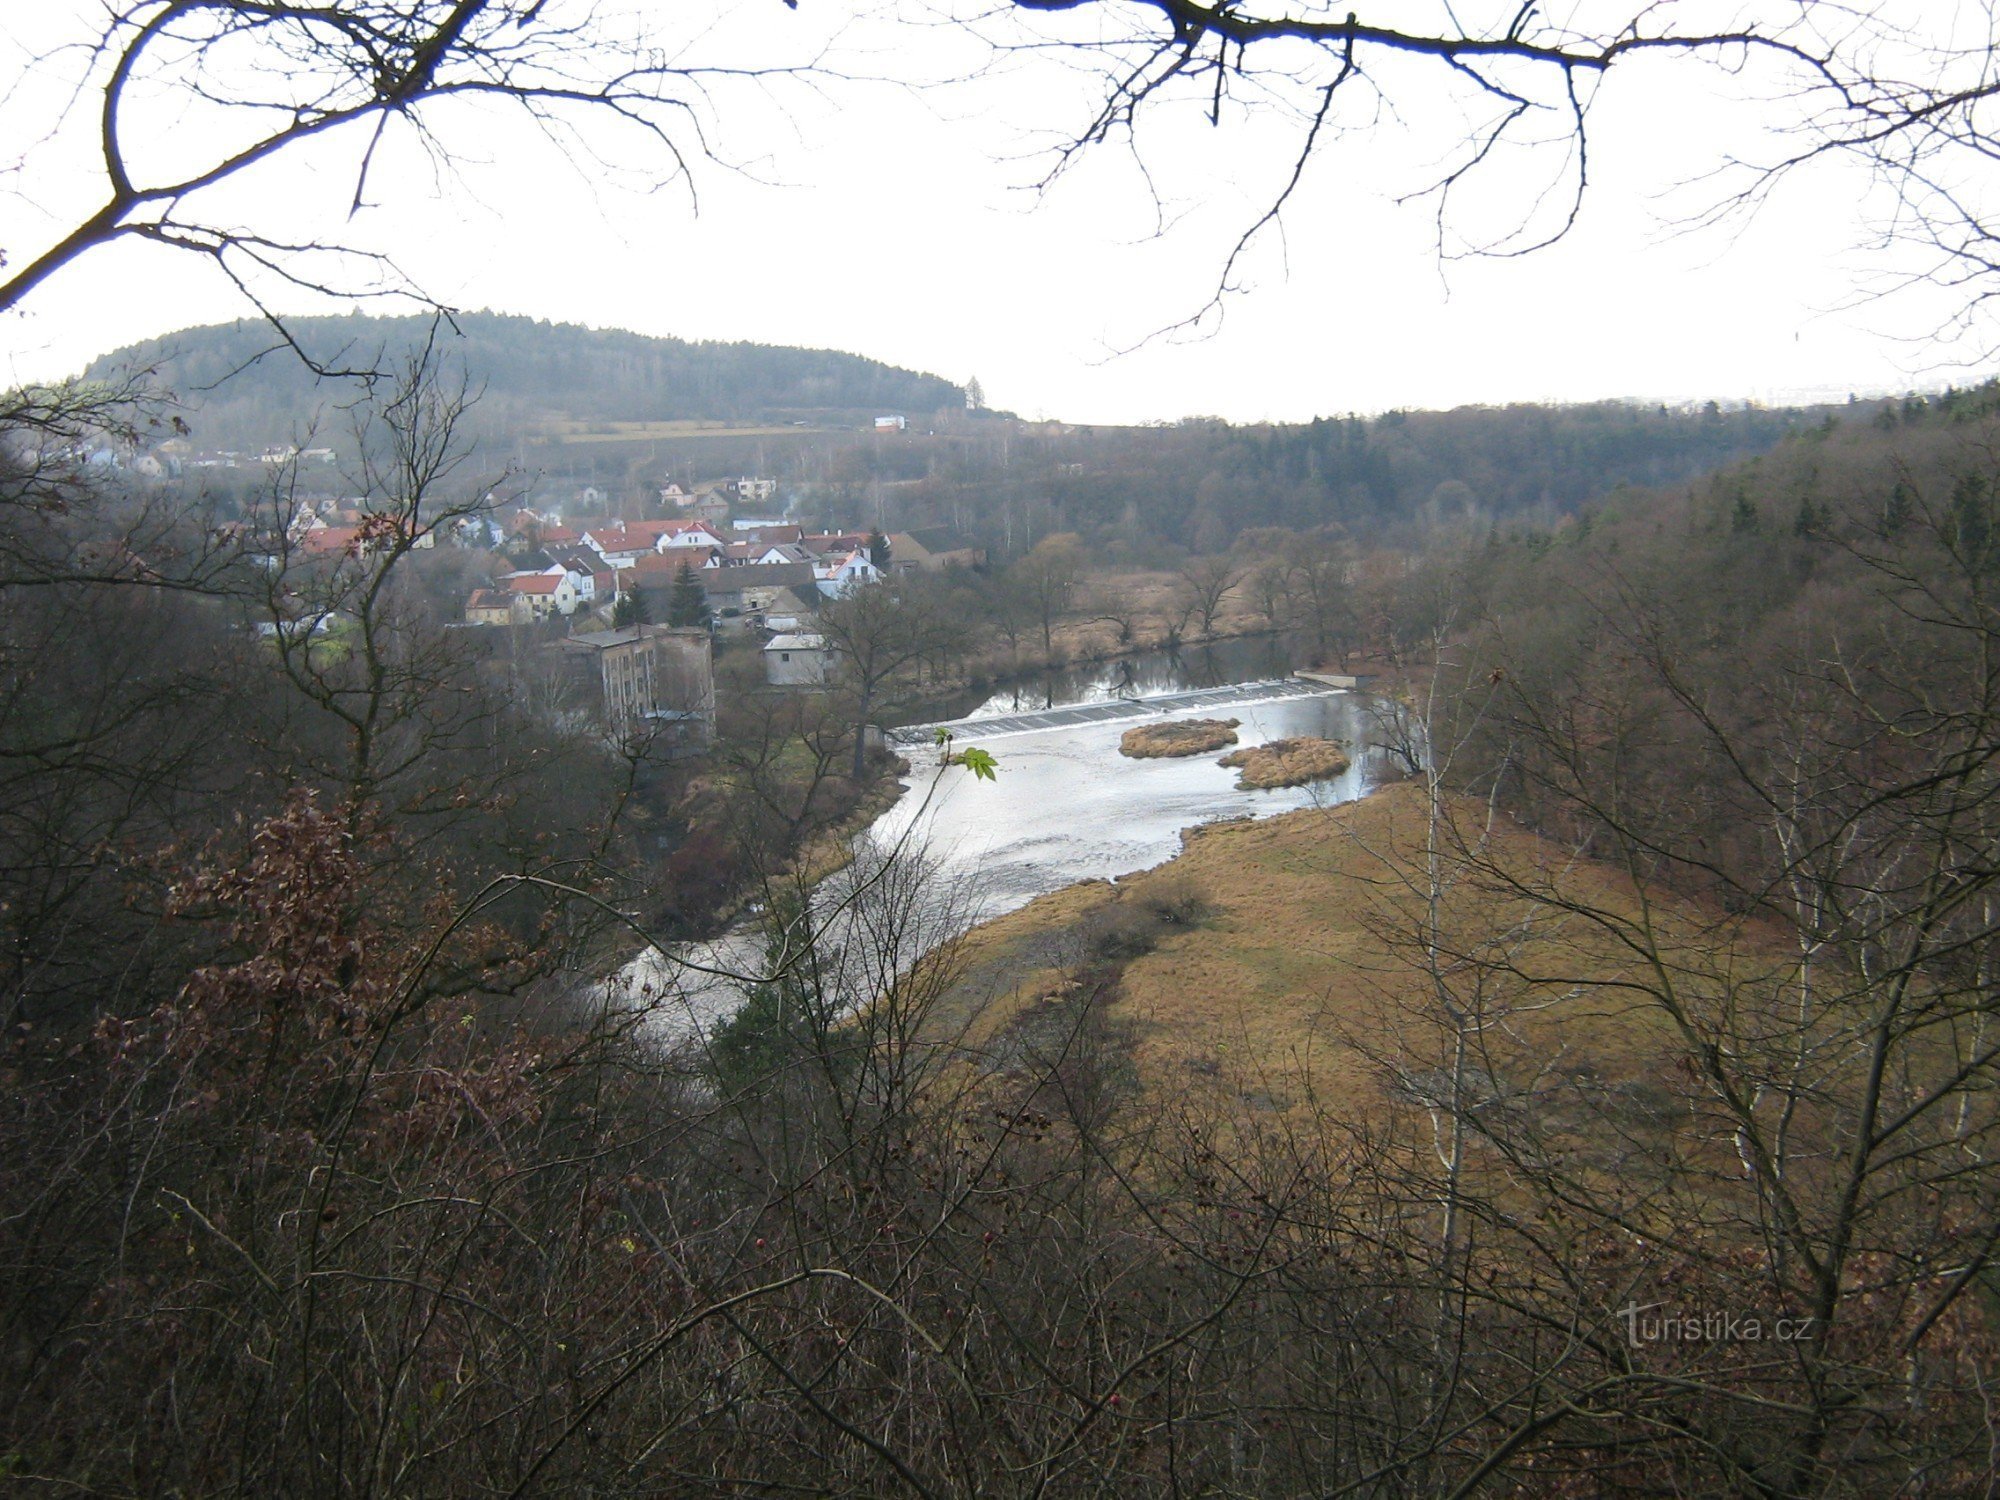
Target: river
x,y
1064,806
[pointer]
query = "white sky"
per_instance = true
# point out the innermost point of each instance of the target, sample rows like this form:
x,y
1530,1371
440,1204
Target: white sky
x,y
900,223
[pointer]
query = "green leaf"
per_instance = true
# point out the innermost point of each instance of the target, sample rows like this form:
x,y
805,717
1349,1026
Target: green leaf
x,y
979,762
943,735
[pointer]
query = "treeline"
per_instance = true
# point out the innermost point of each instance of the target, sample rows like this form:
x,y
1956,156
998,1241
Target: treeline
x,y
1148,495
243,386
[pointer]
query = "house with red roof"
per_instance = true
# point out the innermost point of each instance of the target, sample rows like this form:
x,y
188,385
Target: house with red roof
x,y
552,593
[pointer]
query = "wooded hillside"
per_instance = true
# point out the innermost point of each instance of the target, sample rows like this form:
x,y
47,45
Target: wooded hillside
x,y
530,370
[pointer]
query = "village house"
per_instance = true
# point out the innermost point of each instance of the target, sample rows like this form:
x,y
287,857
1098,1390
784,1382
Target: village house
x,y
551,593
712,508
754,589
477,531
622,543
597,580
490,607
841,575
827,544
741,554
932,551
691,534
322,540
798,661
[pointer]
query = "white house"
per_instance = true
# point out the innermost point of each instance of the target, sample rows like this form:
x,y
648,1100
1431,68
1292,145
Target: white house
x,y
553,592
691,534
841,574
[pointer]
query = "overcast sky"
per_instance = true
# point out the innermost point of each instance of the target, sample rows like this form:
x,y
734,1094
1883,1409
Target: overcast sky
x,y
903,223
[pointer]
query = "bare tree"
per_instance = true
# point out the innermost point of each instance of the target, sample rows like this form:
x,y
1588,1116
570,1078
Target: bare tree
x,y
882,632
247,84
1205,582
1046,579
1496,99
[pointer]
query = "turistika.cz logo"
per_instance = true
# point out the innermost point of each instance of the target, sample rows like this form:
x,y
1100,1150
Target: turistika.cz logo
x,y
1651,1324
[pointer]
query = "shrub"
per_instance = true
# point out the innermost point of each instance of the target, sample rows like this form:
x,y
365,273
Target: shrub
x,y
1178,901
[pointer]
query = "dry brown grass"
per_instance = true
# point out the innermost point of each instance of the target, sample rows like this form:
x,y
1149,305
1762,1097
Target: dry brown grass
x,y
1281,763
1304,985
1181,737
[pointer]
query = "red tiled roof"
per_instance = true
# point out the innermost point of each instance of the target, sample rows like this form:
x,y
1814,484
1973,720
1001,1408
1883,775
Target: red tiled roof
x,y
331,538
535,583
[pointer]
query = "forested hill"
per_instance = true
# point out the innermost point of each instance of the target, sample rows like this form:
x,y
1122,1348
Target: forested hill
x,y
1202,482
529,370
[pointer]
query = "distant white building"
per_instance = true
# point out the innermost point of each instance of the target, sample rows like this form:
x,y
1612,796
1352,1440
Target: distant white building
x,y
891,424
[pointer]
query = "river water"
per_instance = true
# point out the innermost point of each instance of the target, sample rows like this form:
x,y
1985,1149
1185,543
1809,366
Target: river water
x,y
1065,806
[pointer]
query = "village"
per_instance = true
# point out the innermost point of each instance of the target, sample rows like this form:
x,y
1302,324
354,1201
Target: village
x,y
629,609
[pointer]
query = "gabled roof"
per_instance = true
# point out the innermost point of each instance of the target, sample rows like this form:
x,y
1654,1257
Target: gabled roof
x,y
669,564
756,576
936,539
487,599
821,543
796,643
330,538
534,583
579,559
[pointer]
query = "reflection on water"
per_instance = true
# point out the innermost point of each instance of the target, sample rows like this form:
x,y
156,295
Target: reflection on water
x,y
1146,675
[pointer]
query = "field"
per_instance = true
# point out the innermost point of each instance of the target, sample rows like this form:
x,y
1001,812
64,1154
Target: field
x,y
567,431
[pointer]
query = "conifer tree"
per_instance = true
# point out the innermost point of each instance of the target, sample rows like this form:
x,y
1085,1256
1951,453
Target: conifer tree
x,y
689,602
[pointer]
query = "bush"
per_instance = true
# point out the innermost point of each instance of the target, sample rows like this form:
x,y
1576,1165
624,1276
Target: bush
x,y
1120,932
1178,901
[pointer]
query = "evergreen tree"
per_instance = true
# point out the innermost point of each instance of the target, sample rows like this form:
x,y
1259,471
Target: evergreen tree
x,y
630,609
688,604
1896,514
1971,525
878,549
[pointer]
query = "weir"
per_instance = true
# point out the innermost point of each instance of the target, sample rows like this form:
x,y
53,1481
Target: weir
x,y
1231,695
